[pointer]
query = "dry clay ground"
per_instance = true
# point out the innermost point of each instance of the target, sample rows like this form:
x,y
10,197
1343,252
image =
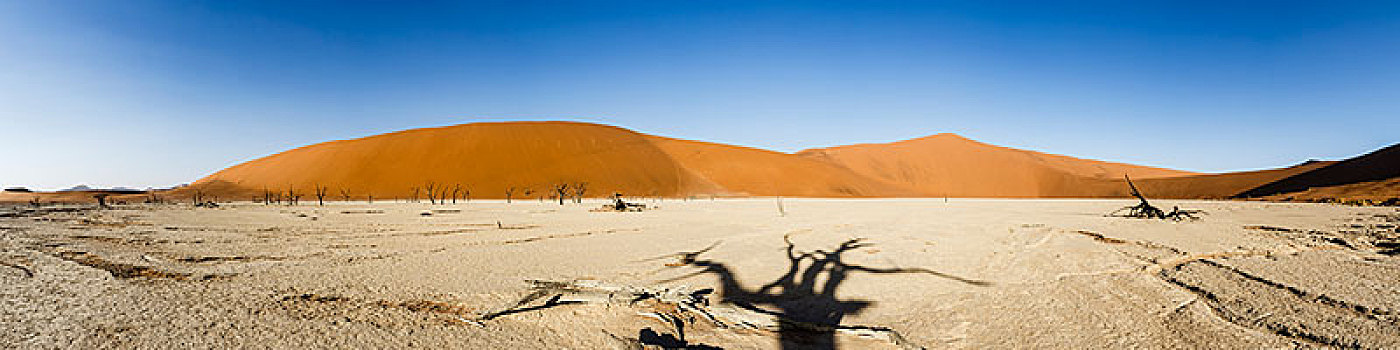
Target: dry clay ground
x,y
700,274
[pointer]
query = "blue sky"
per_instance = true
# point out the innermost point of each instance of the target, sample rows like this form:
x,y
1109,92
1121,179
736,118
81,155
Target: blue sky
x,y
151,93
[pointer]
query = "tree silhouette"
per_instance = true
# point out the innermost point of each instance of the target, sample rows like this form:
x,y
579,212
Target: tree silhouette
x,y
320,193
292,195
101,200
430,187
579,189
562,191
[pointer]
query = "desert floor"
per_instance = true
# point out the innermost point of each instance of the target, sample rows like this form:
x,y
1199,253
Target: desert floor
x,y
858,274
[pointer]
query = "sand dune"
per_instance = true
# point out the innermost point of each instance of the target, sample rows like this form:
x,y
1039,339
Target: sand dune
x,y
488,158
1213,186
1379,165
749,171
950,165
1384,191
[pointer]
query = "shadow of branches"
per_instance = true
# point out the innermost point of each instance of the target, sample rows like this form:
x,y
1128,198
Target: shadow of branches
x,y
805,303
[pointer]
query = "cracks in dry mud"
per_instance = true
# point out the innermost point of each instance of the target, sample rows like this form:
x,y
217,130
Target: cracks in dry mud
x,y
27,272
412,305
122,270
1239,297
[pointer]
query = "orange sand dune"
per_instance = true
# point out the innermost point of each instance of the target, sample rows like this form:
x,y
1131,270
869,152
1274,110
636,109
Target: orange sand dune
x,y
1213,186
487,158
950,165
756,172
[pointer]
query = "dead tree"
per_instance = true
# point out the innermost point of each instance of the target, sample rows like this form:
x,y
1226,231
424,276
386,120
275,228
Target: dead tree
x,y
430,187
198,196
34,202
1145,210
320,193
344,194
101,200
509,191
456,188
369,196
561,190
579,190
414,199
292,195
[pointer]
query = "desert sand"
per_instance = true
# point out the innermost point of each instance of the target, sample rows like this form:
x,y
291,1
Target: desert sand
x,y
857,273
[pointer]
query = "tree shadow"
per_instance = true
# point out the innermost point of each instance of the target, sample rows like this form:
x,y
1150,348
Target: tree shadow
x,y
551,302
806,305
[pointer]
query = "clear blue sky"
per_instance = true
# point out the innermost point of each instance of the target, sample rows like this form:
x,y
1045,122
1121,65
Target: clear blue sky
x,y
142,93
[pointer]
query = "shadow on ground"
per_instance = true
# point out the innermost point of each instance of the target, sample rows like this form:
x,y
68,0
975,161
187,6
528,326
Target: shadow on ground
x,y
809,312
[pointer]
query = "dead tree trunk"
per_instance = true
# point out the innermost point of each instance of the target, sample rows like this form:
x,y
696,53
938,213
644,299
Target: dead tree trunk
x,y
1146,210
561,190
430,187
456,188
345,195
292,196
101,200
320,194
509,192
579,190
